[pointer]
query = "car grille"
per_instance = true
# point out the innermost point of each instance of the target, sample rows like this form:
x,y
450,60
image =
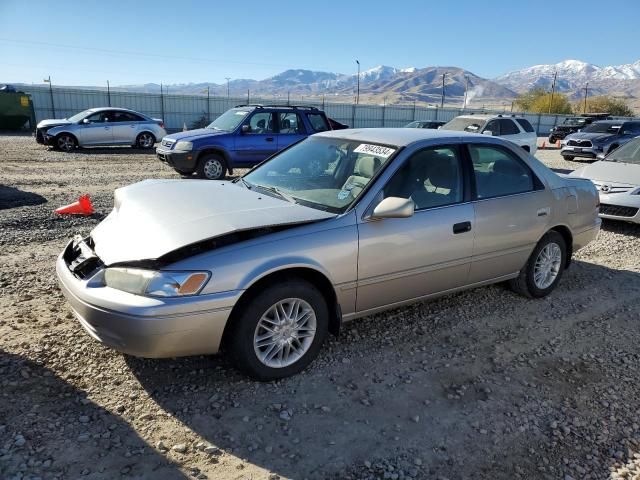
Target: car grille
x,y
579,143
167,143
609,188
618,211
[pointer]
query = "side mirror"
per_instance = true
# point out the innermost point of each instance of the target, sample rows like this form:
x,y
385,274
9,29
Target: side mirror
x,y
86,121
394,207
245,129
487,132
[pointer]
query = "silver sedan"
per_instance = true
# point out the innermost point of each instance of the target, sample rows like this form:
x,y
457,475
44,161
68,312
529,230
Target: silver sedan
x,y
339,226
101,126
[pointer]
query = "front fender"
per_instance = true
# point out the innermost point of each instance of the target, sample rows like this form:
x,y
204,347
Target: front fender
x,y
275,265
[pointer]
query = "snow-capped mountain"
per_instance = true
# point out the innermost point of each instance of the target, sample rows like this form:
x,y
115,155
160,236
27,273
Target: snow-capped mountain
x,y
572,75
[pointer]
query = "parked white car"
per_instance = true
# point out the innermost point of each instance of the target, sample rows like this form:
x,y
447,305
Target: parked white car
x,y
617,177
101,126
515,129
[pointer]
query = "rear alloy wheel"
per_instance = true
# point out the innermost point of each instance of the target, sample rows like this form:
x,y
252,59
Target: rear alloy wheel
x,y
280,331
211,167
66,142
544,268
145,140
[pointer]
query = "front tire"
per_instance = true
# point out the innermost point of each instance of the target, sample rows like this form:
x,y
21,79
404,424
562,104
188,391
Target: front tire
x,y
212,167
568,157
145,141
280,331
66,142
543,270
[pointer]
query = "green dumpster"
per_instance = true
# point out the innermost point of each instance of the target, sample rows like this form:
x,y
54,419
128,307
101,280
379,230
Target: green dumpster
x,y
16,109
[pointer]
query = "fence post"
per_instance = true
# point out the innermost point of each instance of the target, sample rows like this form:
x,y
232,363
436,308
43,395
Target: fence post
x,y
538,125
414,110
384,110
353,115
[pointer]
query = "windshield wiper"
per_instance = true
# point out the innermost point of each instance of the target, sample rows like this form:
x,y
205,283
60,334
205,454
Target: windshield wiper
x,y
277,191
243,181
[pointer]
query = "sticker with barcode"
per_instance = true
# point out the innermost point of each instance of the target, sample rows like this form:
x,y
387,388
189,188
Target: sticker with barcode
x,y
375,150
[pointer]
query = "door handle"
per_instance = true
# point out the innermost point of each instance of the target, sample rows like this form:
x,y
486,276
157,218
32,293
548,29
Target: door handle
x,y
543,212
461,227
269,139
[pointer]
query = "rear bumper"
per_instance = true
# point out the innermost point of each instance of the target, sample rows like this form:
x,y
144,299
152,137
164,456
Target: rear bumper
x,y
585,237
147,327
183,161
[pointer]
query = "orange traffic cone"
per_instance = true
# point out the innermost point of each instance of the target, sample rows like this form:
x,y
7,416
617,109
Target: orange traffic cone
x,y
544,145
82,207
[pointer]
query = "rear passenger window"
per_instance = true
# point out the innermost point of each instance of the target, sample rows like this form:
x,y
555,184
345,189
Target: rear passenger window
x,y
499,172
318,122
290,123
507,127
524,123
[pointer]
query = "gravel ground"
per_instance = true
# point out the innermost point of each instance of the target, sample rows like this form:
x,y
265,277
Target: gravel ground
x,y
480,385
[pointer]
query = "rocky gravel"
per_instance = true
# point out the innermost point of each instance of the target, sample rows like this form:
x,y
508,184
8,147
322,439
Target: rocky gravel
x,y
484,384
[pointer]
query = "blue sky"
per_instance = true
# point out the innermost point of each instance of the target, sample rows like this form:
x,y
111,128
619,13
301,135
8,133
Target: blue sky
x,y
87,42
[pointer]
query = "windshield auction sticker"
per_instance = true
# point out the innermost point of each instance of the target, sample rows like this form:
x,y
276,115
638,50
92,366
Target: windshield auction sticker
x,y
375,150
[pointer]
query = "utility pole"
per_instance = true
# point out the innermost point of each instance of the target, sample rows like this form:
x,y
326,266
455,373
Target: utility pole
x,y
162,100
208,105
53,107
248,96
466,89
227,78
358,89
586,92
288,97
553,90
108,94
442,97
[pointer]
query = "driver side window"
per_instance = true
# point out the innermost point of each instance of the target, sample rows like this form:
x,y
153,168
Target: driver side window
x,y
98,117
494,127
261,122
431,178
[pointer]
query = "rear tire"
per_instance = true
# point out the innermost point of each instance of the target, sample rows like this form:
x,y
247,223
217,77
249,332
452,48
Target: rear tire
x,y
568,157
255,349
542,272
212,167
552,139
145,141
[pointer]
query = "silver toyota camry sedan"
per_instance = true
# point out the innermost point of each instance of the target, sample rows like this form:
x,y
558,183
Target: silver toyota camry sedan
x,y
338,226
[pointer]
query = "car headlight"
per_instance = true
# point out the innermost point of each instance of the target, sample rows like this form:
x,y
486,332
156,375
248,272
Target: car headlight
x,y
155,283
184,146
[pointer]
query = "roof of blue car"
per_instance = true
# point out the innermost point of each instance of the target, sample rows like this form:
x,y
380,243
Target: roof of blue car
x,y
400,137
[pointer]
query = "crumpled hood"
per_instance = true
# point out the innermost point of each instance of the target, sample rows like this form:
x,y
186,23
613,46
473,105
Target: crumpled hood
x,y
593,136
155,217
53,123
614,172
191,135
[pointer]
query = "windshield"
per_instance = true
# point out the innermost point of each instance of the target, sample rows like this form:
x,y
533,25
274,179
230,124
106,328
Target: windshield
x,y
323,173
79,116
627,153
574,122
465,124
413,125
601,127
229,120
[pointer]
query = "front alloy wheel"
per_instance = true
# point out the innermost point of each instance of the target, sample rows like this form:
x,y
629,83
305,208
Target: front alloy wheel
x,y
278,331
65,142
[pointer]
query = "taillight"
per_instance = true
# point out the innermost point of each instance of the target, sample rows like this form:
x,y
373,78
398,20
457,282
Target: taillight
x,y
161,124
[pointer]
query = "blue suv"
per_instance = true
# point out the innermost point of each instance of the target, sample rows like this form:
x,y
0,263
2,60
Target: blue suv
x,y
240,138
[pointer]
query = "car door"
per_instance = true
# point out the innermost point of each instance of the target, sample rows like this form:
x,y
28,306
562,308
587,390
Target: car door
x,y
291,129
96,129
125,128
258,141
512,209
401,259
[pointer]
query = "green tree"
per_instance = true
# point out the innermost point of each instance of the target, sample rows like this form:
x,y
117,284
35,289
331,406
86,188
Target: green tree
x,y
605,104
541,101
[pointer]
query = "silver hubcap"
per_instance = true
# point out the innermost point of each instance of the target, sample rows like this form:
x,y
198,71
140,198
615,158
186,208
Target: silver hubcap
x,y
65,143
285,333
547,265
146,140
213,168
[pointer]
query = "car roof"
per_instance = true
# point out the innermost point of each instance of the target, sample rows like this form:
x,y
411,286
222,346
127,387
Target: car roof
x,y
102,109
487,116
612,122
400,137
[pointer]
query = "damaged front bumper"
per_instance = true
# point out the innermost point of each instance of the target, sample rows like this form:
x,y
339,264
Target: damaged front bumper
x,y
139,325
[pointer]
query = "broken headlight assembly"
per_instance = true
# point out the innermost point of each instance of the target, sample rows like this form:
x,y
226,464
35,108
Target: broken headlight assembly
x,y
153,283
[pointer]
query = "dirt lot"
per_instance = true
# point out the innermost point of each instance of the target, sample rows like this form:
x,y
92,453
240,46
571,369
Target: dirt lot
x,y
482,385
